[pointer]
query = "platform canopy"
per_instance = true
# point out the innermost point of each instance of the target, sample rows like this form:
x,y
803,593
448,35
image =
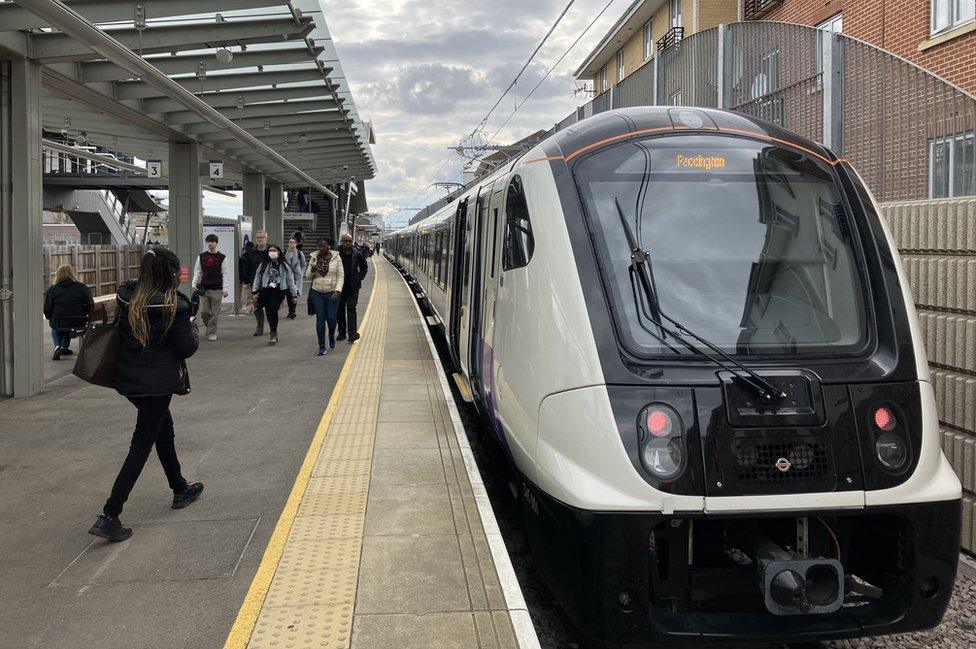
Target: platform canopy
x,y
257,83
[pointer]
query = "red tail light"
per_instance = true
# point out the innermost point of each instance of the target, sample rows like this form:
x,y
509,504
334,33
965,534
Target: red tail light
x,y
659,423
884,419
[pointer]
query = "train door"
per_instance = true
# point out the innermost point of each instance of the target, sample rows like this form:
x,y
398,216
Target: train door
x,y
455,280
476,294
491,269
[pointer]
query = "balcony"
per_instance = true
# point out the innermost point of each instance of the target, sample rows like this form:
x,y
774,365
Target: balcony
x,y
670,39
756,9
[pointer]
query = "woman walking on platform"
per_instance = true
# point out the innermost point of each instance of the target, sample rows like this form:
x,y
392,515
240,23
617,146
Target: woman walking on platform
x,y
273,281
325,271
296,260
157,338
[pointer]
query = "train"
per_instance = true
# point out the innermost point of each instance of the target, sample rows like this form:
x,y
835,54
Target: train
x,y
691,333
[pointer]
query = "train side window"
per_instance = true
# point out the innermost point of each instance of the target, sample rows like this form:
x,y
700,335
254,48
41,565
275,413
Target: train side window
x,y
519,242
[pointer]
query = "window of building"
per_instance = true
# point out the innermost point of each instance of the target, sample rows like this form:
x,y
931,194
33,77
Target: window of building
x,y
834,24
767,81
518,244
675,12
648,43
949,14
620,66
604,79
674,98
952,167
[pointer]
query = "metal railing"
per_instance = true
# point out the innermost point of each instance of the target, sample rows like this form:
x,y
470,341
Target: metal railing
x,y
909,133
671,38
755,9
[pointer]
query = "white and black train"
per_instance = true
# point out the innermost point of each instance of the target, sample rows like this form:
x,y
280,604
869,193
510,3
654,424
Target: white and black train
x,y
693,337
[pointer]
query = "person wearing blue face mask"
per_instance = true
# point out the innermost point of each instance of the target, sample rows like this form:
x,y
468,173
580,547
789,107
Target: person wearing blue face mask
x,y
273,281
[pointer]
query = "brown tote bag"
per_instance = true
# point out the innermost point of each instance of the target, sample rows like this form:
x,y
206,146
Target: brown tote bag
x,y
96,361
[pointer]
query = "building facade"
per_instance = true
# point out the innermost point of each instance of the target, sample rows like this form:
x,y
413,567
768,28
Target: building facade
x,y
647,27
938,35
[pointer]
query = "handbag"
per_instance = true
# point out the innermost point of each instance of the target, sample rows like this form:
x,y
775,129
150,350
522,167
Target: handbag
x,y
183,388
99,353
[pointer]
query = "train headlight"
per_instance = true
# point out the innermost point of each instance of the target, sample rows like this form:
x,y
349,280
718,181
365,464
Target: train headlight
x,y
892,451
662,449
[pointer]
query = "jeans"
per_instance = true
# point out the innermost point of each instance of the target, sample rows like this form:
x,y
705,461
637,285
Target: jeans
x,y
61,339
270,302
347,313
326,309
154,425
210,305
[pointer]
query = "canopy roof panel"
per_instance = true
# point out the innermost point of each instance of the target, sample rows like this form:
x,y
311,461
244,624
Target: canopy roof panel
x,y
257,82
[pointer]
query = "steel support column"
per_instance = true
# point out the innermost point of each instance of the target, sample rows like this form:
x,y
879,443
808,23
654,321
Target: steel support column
x,y
833,90
185,203
274,221
21,192
254,202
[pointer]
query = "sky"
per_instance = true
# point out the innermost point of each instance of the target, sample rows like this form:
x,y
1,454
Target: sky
x,y
426,73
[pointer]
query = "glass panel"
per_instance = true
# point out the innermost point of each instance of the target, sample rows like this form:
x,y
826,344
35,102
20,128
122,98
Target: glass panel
x,y
939,169
964,167
964,11
749,244
940,15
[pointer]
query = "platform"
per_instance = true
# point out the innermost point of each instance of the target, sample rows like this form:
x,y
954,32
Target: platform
x,y
340,508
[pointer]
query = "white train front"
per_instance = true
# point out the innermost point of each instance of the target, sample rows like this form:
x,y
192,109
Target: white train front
x,y
694,340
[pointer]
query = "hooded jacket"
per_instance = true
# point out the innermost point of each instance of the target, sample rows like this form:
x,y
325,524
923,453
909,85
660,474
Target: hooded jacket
x,y
154,369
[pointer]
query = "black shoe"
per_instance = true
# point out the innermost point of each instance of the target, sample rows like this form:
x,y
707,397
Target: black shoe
x,y
110,527
258,332
66,352
292,316
353,338
190,493
341,337
57,354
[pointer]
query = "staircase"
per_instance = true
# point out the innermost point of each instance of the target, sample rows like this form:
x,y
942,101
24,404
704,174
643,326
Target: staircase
x,y
322,226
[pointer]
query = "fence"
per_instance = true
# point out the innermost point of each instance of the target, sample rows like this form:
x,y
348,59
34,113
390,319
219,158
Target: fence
x,y
102,268
910,134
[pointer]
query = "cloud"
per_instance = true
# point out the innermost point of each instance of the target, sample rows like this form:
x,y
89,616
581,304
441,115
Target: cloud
x,y
426,73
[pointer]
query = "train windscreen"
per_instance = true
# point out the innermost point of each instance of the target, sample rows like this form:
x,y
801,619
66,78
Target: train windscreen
x,y
749,244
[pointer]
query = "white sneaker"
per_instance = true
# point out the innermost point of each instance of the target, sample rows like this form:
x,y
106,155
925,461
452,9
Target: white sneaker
x,y
212,337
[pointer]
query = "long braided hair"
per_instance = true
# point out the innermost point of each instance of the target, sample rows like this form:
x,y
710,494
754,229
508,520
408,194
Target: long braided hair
x,y
159,272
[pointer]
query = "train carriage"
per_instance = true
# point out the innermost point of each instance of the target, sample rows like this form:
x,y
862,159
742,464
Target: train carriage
x,y
693,337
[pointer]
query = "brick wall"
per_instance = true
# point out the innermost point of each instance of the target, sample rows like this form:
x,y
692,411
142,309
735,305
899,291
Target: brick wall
x,y
896,25
937,240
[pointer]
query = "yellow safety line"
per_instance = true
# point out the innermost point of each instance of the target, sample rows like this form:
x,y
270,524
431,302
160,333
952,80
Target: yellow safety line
x,y
247,616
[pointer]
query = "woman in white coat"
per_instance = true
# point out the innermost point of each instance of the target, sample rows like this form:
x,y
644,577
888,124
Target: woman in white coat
x,y
325,271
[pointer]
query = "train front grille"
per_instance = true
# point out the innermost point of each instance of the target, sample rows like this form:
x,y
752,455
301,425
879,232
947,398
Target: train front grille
x,y
761,465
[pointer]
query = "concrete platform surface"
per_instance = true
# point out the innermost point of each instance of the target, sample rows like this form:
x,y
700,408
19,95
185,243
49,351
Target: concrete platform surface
x,y
180,581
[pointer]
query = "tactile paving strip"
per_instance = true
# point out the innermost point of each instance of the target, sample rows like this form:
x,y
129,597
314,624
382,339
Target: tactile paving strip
x,y
312,597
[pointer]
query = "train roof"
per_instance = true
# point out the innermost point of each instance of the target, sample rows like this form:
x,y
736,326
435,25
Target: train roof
x,y
615,125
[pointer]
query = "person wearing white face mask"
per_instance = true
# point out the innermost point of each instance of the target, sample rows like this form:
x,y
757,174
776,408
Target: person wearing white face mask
x,y
273,281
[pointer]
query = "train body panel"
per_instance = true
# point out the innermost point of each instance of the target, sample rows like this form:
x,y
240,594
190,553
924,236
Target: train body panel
x,y
803,415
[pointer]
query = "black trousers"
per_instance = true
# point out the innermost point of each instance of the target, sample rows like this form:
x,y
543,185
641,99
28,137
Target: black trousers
x,y
347,322
271,299
154,426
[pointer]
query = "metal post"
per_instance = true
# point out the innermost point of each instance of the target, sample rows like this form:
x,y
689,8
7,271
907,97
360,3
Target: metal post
x,y
720,63
254,201
656,99
274,222
185,203
833,91
21,220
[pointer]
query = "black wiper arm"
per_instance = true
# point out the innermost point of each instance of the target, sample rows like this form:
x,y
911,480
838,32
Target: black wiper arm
x,y
641,267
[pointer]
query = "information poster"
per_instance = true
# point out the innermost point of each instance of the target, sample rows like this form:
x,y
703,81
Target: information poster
x,y
225,244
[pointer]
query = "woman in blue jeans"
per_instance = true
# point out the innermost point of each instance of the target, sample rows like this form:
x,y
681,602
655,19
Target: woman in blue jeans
x,y
325,271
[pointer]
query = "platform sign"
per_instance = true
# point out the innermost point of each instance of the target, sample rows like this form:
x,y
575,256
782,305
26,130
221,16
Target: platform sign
x,y
216,169
225,244
154,169
299,216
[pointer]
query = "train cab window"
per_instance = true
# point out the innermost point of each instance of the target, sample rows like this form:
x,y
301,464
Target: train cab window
x,y
518,243
750,242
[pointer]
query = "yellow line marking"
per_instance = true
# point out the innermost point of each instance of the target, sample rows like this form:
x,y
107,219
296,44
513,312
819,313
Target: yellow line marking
x,y
247,616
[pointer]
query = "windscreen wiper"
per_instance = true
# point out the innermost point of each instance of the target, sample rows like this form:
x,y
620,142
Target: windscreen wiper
x,y
640,268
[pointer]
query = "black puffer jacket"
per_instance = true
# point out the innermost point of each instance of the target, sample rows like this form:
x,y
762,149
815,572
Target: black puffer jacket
x,y
67,304
153,370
